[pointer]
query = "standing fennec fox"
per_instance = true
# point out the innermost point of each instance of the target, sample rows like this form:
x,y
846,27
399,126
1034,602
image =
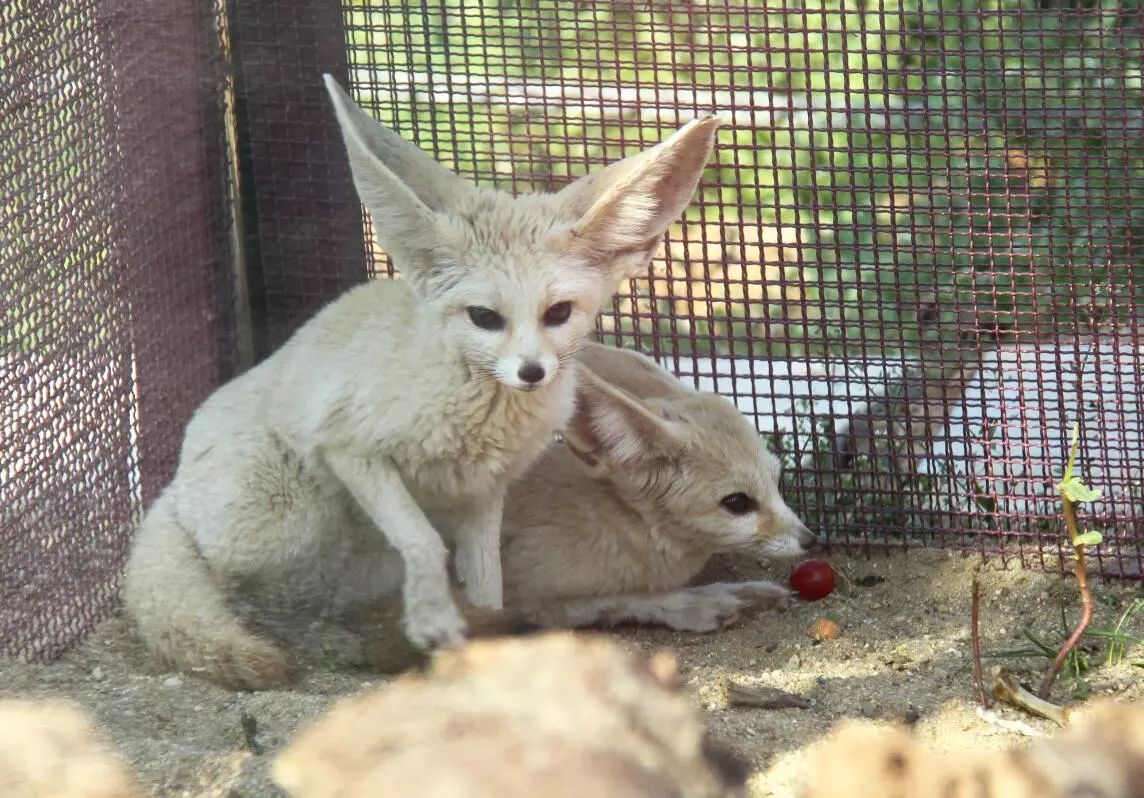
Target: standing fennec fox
x,y
401,411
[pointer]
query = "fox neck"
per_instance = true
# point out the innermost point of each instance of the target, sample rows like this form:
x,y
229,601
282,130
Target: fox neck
x,y
673,544
522,421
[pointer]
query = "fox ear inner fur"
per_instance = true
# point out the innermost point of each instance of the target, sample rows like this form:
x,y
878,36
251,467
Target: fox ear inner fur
x,y
609,426
623,210
614,217
403,189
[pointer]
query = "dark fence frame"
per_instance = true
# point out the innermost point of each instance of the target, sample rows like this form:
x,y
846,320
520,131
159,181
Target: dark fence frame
x,y
303,238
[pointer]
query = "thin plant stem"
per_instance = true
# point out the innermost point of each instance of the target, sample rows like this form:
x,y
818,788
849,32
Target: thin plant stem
x,y
1086,603
975,642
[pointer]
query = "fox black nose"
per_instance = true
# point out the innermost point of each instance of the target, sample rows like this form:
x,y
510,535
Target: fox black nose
x,y
806,538
531,373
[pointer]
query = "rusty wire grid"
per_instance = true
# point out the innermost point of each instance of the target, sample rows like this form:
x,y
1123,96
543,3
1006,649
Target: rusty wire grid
x,y
115,296
912,262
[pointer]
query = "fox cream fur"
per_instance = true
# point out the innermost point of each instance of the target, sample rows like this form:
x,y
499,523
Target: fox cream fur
x,y
653,479
612,527
402,411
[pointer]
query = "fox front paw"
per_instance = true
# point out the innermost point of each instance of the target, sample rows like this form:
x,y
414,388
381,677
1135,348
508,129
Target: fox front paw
x,y
711,607
761,594
434,625
702,612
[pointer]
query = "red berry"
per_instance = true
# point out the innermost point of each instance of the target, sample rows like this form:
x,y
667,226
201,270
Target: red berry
x,y
812,579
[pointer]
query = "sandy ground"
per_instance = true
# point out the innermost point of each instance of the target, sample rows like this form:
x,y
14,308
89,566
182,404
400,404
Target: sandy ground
x,y
903,656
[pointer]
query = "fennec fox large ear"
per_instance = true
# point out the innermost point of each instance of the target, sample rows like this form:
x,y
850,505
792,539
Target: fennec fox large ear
x,y
636,373
402,187
623,210
612,427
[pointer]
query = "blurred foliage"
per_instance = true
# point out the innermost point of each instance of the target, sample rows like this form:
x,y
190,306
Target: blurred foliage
x,y
980,155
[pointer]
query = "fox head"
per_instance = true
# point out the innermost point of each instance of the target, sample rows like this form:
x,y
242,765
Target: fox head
x,y
686,460
516,283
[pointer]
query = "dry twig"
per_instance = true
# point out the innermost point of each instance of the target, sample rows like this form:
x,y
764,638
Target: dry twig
x,y
761,697
1014,726
1006,688
975,639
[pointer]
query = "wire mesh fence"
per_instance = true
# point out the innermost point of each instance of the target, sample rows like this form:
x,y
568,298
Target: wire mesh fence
x,y
912,262
115,319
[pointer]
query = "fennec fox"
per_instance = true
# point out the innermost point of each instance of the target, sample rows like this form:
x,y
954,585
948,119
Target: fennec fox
x,y
653,479
402,410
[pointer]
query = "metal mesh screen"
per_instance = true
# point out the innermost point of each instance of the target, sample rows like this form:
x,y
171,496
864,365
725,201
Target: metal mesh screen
x,y
115,316
303,237
913,263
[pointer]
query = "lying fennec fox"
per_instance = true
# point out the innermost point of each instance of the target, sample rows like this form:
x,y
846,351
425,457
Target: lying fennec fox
x,y
403,410
653,479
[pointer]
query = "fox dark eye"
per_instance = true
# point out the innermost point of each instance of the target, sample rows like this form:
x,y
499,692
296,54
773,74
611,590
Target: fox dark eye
x,y
738,503
557,314
485,319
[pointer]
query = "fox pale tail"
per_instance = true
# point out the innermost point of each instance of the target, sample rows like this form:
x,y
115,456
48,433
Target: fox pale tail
x,y
182,616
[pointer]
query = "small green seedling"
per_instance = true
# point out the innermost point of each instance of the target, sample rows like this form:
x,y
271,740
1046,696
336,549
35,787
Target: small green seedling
x,y
330,660
1073,492
1089,538
1122,645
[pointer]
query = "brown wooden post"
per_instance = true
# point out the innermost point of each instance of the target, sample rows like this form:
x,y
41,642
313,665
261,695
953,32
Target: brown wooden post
x,y
304,236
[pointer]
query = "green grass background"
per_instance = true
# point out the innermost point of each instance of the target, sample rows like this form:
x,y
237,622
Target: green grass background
x,y
1007,178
